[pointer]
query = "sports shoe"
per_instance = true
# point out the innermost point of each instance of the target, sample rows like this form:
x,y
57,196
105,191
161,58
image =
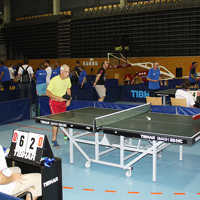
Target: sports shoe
x,y
55,143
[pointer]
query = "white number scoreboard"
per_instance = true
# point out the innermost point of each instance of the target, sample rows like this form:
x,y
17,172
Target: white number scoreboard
x,y
30,147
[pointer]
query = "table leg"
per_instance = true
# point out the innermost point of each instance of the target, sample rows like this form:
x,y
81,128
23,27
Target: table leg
x,y
181,152
71,147
96,146
154,161
122,151
164,100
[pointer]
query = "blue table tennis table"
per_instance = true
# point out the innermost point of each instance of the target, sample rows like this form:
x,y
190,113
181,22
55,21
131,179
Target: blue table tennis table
x,y
117,129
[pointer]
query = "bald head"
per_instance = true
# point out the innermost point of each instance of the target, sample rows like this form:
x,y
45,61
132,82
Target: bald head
x,y
64,67
64,71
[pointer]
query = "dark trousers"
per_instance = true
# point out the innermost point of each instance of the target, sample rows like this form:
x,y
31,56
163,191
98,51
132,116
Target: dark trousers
x,y
25,90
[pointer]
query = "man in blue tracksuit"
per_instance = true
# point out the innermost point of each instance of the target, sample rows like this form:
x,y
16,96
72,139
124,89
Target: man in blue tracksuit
x,y
4,76
193,75
41,84
154,79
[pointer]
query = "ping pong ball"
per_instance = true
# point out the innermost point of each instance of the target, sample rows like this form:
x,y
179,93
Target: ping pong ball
x,y
149,118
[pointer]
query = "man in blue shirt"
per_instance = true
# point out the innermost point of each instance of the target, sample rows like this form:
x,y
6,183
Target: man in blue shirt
x,y
193,75
55,70
82,77
154,78
41,85
4,76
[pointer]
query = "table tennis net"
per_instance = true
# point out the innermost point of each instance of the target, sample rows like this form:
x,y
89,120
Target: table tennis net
x,y
121,115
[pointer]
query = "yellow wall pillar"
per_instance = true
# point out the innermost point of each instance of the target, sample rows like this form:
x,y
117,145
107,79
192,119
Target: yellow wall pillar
x,y
56,7
123,3
7,16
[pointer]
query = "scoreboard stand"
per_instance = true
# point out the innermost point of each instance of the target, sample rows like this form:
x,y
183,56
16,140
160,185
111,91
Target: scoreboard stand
x,y
26,151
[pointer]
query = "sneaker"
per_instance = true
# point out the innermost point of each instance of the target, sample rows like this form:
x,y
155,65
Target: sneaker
x,y
55,143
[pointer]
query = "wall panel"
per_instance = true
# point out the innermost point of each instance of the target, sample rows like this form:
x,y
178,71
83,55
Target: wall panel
x,y
163,33
22,8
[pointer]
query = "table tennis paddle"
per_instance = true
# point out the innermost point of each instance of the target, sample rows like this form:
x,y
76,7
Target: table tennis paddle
x,y
66,96
197,116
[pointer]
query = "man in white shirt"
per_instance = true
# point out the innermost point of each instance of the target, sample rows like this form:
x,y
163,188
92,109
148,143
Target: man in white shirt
x,y
185,94
11,72
29,69
12,182
48,70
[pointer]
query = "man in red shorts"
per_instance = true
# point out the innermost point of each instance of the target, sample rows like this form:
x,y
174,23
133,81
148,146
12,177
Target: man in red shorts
x,y
58,87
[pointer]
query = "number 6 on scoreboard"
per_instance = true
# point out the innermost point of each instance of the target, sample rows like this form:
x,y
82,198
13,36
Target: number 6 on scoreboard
x,y
21,141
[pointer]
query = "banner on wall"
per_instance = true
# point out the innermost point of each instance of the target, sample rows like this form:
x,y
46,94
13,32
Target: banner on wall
x,y
91,62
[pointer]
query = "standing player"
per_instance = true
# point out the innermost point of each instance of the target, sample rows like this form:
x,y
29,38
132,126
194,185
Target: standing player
x,y
48,70
25,75
193,75
154,79
99,83
58,87
4,76
41,85
55,70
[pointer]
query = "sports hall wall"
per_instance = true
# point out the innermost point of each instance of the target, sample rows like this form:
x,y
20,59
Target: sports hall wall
x,y
164,31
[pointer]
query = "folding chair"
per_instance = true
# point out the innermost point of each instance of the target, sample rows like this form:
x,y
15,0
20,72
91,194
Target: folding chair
x,y
178,102
154,100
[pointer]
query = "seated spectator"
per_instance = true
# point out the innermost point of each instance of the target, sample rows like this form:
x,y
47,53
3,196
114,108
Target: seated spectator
x,y
12,182
185,94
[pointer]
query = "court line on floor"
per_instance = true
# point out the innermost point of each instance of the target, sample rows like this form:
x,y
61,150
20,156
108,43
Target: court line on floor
x,y
69,188
110,191
115,191
178,193
88,189
133,192
156,193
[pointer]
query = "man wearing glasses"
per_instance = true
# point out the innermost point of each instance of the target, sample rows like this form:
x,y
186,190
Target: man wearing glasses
x,y
59,92
154,79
